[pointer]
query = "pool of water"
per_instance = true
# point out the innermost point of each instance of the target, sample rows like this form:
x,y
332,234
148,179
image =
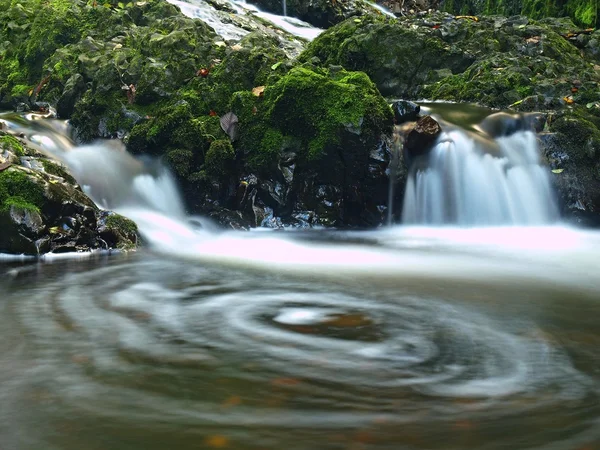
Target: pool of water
x,y
394,339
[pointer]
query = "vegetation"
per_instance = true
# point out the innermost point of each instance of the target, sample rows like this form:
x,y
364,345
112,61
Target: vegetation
x,y
583,12
17,188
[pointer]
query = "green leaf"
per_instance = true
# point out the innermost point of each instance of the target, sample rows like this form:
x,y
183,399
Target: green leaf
x,y
276,65
557,170
357,21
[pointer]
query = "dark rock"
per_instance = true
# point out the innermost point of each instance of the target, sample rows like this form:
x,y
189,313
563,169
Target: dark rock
x,y
42,209
405,111
422,137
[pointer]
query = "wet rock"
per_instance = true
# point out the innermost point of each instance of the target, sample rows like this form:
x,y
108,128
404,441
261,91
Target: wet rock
x,y
320,13
405,111
422,137
42,209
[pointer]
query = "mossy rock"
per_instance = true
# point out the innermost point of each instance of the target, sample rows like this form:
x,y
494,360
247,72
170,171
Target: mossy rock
x,y
220,158
119,231
583,12
11,144
396,57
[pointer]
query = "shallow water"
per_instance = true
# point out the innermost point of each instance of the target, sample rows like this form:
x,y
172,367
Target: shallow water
x,y
406,338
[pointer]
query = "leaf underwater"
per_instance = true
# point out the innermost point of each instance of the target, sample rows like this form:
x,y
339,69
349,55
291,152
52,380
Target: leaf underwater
x,y
229,124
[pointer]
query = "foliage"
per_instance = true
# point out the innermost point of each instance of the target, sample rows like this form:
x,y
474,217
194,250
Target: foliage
x,y
18,188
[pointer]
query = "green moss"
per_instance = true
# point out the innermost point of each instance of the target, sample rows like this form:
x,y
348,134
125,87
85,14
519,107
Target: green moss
x,y
19,90
578,129
12,144
181,161
18,188
19,203
219,159
317,108
56,169
122,224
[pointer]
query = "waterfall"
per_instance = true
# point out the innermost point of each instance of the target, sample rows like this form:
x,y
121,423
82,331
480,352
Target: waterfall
x,y
223,25
284,4
463,184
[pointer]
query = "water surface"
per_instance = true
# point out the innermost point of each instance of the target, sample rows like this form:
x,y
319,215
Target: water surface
x,y
394,339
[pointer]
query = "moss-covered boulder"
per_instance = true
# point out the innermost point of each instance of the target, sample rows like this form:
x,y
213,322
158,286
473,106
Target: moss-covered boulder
x,y
493,61
317,139
398,56
42,209
583,12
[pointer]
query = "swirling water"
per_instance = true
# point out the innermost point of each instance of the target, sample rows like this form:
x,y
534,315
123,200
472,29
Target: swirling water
x,y
388,340
398,338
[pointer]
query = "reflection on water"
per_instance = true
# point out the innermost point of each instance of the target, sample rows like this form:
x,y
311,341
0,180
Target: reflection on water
x,y
154,352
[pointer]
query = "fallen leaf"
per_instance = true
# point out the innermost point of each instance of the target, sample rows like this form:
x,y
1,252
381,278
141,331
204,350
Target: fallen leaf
x,y
229,124
533,40
568,100
216,441
285,381
473,18
212,113
118,46
258,91
276,65
236,47
234,400
557,170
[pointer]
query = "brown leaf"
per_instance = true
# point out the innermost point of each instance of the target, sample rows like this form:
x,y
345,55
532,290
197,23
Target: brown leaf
x,y
229,124
216,441
258,91
234,400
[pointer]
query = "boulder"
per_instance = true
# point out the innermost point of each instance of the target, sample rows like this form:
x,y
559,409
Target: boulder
x,y
422,137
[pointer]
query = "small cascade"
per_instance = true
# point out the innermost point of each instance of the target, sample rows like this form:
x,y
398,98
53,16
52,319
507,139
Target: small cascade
x,y
284,4
229,29
462,183
116,180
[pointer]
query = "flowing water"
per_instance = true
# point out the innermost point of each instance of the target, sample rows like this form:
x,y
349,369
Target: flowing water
x,y
397,338
473,178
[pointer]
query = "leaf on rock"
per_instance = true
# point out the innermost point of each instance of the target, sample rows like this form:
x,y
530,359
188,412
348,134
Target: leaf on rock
x,y
557,170
258,91
216,441
229,124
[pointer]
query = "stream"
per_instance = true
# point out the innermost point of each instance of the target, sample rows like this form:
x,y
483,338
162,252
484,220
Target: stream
x,y
401,338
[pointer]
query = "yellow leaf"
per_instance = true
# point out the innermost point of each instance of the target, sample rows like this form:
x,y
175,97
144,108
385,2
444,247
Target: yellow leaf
x,y
236,47
216,441
258,90
557,170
